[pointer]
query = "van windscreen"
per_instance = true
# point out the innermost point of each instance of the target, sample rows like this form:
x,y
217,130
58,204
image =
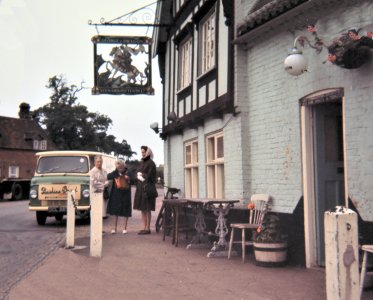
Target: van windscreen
x,y
63,164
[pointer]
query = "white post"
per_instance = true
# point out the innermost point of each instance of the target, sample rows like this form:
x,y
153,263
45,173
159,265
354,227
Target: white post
x,y
70,221
341,254
96,224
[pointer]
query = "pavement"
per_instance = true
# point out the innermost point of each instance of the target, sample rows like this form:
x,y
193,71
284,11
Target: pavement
x,y
145,267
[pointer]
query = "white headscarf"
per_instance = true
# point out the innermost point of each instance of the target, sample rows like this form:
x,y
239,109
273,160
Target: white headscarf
x,y
149,153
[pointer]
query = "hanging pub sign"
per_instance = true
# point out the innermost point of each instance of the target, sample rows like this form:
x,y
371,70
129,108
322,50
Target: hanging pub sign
x,y
122,65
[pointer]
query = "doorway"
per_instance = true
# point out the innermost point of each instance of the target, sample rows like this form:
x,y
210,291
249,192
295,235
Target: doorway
x,y
323,166
329,166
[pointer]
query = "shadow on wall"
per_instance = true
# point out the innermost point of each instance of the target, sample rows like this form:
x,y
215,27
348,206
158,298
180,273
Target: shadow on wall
x,y
293,226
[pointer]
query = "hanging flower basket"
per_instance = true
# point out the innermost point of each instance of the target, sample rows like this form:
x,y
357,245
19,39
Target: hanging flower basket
x,y
350,53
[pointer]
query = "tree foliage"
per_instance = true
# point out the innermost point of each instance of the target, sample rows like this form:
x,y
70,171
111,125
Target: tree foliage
x,y
72,127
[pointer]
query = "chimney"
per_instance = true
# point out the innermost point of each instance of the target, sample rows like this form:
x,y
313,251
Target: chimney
x,y
24,111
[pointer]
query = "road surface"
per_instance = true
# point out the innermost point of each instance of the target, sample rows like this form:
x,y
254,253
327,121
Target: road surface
x,y
23,243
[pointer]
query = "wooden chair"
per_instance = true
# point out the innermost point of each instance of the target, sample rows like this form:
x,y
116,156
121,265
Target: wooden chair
x,y
366,249
260,202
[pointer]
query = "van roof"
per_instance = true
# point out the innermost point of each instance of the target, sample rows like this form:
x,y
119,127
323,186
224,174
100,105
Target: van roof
x,y
71,153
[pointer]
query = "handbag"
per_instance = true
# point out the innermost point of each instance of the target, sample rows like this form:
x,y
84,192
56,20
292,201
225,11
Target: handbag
x,y
121,183
150,190
106,193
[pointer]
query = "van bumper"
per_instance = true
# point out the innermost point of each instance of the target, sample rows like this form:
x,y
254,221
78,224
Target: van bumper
x,y
44,208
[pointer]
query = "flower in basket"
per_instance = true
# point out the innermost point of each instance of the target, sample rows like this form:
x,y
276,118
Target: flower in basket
x,y
251,206
270,245
270,230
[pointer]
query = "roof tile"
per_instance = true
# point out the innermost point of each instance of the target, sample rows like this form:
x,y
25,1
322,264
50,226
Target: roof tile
x,y
20,133
264,11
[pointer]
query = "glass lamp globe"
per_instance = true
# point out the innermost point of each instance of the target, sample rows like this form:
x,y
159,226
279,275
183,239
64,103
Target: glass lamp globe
x,y
295,64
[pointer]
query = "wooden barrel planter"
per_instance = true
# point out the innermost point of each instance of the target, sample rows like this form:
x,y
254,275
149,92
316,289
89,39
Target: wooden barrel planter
x,y
270,254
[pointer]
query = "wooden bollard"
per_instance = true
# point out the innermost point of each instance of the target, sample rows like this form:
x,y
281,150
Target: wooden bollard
x,y
341,254
70,221
96,224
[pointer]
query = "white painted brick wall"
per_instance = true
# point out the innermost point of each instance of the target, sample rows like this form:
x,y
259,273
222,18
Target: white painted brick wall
x,y
271,141
175,161
272,136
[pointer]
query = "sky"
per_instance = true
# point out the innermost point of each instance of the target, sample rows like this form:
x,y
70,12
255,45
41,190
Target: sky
x,y
43,38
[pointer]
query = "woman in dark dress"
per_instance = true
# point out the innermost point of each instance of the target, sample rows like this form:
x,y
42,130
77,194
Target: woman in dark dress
x,y
120,196
146,174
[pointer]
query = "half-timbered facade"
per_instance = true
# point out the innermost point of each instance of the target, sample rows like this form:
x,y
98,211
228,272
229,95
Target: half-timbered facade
x,y
196,65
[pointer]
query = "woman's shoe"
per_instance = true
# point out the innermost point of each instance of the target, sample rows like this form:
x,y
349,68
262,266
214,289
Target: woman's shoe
x,y
142,232
124,231
113,232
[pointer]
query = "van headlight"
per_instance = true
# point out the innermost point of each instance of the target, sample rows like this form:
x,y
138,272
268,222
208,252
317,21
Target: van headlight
x,y
86,193
33,194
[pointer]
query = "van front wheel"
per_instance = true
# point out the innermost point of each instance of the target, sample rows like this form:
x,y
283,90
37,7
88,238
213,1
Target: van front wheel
x,y
41,217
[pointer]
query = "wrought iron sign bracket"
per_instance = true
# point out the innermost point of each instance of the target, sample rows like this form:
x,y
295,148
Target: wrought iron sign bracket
x,y
146,14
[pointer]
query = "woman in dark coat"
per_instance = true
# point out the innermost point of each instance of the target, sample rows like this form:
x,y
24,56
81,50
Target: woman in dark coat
x,y
120,195
146,175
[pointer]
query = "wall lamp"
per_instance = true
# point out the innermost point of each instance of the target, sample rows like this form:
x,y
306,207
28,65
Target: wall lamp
x,y
155,126
350,50
172,117
295,63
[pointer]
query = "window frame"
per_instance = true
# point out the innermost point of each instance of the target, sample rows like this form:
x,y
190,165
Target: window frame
x,y
43,145
215,166
181,71
40,144
13,174
191,169
204,67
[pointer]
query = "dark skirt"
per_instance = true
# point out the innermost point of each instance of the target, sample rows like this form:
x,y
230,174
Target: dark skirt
x,y
142,202
120,203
